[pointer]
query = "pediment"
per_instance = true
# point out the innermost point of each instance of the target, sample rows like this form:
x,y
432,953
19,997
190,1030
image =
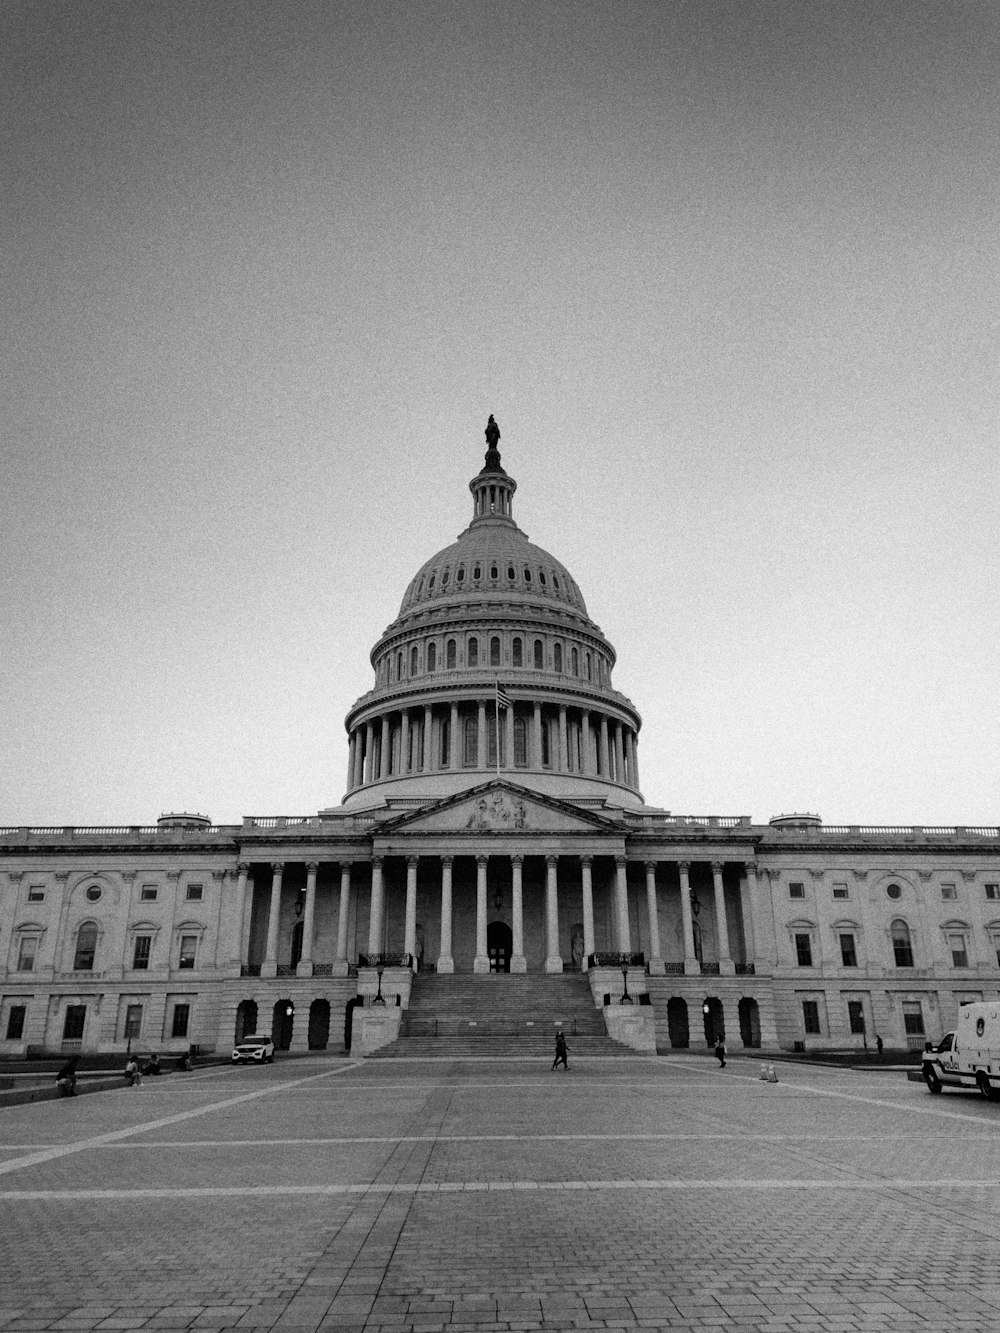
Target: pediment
x,y
497,808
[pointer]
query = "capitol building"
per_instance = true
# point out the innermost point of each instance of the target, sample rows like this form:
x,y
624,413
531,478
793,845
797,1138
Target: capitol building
x,y
494,870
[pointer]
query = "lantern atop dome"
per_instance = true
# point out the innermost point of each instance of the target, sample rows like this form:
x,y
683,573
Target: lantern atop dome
x,y
492,489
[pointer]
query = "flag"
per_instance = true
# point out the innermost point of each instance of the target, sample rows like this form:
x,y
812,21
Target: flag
x,y
503,698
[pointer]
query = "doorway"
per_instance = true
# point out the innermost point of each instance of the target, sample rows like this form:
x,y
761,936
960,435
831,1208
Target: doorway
x,y
282,1024
499,945
749,1022
715,1025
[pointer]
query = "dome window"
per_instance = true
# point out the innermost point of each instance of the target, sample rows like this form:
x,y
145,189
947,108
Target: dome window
x,y
557,658
527,574
494,651
494,572
472,653
555,581
477,573
589,676
517,653
445,577
520,743
420,585
460,576
399,666
539,655
574,661
541,577
414,660
450,655
430,583
432,657
510,573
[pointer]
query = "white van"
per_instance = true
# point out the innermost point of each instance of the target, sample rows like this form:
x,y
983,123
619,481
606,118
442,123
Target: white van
x,y
969,1057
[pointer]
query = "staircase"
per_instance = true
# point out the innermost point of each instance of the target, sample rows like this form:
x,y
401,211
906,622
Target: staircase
x,y
500,1014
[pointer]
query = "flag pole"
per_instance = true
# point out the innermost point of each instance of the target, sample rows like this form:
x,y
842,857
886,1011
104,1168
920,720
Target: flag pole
x,y
496,710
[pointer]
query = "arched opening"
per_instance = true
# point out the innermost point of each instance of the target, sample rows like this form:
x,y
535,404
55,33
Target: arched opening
x,y
677,1022
349,1019
472,653
413,661
246,1020
296,953
432,657
539,652
517,656
557,657
319,1025
749,1022
715,1024
449,655
86,947
902,946
494,651
282,1023
499,945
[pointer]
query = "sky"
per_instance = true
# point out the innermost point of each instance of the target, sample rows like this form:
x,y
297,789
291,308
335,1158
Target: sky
x,y
726,273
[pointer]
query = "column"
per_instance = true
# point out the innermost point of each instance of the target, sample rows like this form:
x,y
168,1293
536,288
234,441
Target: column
x,y
563,748
691,965
428,741
410,929
445,962
351,747
359,757
586,865
453,739
377,908
753,921
404,741
482,959
509,726
305,966
370,752
236,955
633,776
553,959
343,907
269,967
483,754
656,968
602,741
586,758
621,905
517,959
726,966
536,736
385,750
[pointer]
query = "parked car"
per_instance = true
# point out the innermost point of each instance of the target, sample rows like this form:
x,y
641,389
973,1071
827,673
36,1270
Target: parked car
x,y
969,1057
254,1050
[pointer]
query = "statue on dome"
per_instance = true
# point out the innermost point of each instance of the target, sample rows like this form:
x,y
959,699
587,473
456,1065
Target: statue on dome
x,y
492,433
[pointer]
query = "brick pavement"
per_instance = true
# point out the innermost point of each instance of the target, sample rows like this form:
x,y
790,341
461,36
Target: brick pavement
x,y
441,1197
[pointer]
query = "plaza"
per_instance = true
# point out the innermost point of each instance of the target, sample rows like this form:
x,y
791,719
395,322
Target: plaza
x,y
470,1194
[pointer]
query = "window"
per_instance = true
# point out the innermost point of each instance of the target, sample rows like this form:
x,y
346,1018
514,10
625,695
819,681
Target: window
x,y
546,746
444,733
194,893
856,1017
133,1022
189,946
995,938
15,1021
574,658
432,657
949,892
541,577
810,1018
913,1018
36,893
93,893
73,1024
517,653
399,666
557,657
491,741
470,754
555,582
140,954
803,950
993,892
901,946
894,892
539,655
510,573
472,653
527,574
26,953
848,953
796,890
494,651
179,1026
148,893
413,661
520,742
589,676
430,584
957,948
841,891
450,655
86,947
477,572
445,577
494,572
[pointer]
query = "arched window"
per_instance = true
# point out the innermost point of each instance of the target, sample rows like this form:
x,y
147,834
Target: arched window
x,y
86,947
494,572
477,573
494,651
450,655
539,655
902,946
399,666
510,573
527,574
557,657
541,577
445,577
588,667
520,742
430,583
472,653
413,660
516,653
460,576
555,582
432,657
471,749
575,660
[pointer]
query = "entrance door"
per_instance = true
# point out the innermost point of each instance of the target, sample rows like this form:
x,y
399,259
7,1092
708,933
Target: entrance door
x,y
499,945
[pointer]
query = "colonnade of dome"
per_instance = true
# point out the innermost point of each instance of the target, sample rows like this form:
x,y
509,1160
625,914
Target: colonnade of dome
x,y
492,617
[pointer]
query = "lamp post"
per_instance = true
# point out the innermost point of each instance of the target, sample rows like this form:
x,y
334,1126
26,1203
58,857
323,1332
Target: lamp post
x,y
706,1009
379,998
626,998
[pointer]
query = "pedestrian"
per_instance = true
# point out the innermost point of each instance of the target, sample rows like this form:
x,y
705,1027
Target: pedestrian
x,y
561,1051
133,1073
154,1065
66,1078
720,1051
878,1045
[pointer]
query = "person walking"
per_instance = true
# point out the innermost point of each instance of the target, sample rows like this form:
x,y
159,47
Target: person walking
x,y
561,1051
720,1051
878,1045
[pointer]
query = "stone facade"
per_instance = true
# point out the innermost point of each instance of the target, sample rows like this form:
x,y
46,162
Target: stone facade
x,y
493,820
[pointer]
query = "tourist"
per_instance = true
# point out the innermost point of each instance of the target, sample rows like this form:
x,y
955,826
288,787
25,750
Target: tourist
x,y
66,1078
720,1052
561,1051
